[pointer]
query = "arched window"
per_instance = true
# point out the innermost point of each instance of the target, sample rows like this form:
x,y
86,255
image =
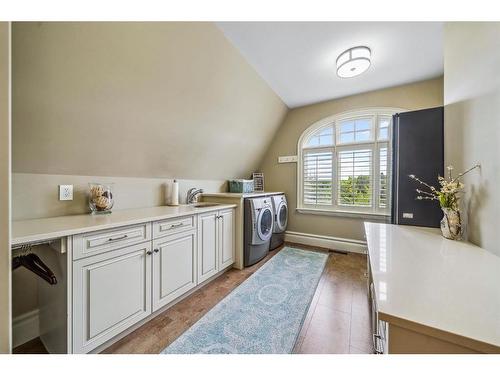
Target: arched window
x,y
344,163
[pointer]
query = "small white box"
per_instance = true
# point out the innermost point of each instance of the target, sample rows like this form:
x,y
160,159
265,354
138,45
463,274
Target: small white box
x,y
287,159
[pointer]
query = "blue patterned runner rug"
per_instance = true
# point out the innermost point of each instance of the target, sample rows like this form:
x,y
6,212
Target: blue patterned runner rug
x,y
262,315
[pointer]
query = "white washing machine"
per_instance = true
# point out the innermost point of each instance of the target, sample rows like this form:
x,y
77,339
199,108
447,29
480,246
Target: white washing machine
x,y
280,212
258,223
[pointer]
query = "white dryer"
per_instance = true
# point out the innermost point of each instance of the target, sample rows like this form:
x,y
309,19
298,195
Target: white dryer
x,y
258,223
280,212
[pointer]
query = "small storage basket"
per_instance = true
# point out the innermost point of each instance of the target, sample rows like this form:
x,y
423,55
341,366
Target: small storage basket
x,y
241,186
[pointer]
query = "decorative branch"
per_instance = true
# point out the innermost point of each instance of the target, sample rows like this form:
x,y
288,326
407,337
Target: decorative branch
x,y
420,198
424,192
448,194
412,176
460,175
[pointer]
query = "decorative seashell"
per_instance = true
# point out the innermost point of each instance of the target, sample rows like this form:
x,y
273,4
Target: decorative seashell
x,y
96,191
102,202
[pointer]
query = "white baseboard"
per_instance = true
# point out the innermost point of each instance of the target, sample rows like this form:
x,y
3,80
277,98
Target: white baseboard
x,y
327,242
25,327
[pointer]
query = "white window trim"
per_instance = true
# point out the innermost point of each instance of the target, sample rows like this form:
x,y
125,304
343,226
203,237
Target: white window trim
x,y
334,209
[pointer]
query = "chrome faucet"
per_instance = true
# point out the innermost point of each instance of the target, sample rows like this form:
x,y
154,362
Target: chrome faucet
x,y
191,195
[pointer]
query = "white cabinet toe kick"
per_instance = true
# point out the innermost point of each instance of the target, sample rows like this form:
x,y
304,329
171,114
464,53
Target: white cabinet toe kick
x,y
119,278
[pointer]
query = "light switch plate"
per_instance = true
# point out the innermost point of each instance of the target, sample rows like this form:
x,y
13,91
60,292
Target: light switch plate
x,y
65,192
287,159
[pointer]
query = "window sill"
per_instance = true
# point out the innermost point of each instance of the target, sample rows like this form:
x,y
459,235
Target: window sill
x,y
347,214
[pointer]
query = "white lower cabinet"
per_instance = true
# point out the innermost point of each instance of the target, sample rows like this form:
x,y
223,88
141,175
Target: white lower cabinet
x,y
114,288
174,267
207,245
226,238
216,242
111,292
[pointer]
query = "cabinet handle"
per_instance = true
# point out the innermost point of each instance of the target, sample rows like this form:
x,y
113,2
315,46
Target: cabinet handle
x,y
117,238
156,250
149,252
176,225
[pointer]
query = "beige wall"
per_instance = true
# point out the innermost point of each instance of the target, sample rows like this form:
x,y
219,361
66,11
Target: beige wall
x,y
283,177
472,122
129,192
163,99
4,190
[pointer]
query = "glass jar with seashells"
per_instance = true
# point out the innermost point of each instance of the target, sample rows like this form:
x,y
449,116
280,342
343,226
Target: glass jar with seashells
x,y
101,198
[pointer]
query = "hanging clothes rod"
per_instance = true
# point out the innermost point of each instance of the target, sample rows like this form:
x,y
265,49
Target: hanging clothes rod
x,y
31,244
60,244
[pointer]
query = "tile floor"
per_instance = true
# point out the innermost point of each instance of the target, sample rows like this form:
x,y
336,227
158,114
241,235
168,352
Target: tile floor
x,y
338,319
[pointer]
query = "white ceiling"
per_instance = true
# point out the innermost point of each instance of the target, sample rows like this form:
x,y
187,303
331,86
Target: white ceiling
x,y
297,59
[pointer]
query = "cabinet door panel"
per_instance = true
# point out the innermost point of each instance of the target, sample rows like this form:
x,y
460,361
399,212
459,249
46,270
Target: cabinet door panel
x,y
207,245
174,267
111,293
226,238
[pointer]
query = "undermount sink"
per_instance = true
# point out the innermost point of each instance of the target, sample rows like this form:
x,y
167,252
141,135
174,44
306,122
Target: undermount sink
x,y
205,204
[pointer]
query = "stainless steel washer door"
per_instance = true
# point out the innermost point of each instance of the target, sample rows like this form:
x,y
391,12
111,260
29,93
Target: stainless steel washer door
x,y
265,224
282,216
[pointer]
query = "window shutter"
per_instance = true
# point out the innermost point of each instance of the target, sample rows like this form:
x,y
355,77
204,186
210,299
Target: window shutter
x,y
355,177
384,181
318,177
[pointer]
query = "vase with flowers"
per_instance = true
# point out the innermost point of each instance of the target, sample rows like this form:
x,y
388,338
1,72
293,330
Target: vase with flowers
x,y
448,196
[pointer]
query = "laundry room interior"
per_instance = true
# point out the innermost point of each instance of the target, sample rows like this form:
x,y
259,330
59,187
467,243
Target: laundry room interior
x,y
243,187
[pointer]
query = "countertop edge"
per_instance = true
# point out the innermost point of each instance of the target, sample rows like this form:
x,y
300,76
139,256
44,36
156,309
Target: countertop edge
x,y
440,333
97,227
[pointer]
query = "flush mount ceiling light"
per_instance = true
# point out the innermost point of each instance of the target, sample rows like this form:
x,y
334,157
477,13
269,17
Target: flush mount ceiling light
x,y
353,62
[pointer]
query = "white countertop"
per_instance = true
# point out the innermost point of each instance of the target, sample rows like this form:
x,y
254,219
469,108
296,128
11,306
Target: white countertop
x,y
25,231
242,195
423,278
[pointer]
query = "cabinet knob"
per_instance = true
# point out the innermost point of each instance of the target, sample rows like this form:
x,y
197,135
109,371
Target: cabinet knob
x,y
156,250
149,252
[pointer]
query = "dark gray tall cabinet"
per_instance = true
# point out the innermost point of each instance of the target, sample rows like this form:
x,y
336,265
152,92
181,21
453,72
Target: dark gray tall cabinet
x,y
418,148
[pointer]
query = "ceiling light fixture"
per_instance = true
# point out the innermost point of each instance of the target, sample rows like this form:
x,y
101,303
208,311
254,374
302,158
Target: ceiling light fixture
x,y
353,61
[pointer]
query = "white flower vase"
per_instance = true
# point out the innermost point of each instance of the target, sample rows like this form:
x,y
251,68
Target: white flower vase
x,y
451,224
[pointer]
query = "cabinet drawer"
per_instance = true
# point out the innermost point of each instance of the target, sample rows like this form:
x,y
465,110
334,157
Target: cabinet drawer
x,y
93,243
176,225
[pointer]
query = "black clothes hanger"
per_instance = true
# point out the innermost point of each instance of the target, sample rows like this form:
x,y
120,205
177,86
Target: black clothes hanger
x,y
35,264
16,263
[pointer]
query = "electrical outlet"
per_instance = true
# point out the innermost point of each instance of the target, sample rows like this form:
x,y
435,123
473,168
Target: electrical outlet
x,y
65,192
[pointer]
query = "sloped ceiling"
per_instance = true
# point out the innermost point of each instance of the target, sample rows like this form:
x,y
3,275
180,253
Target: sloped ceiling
x,y
157,99
402,52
